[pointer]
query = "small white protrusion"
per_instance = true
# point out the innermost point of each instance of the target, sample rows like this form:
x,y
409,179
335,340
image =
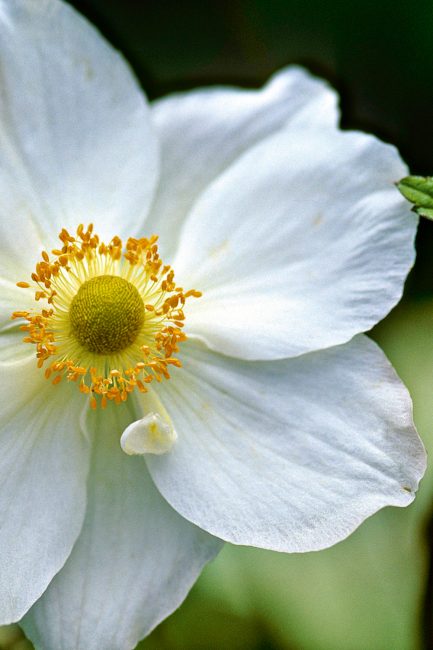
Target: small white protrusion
x,y
150,435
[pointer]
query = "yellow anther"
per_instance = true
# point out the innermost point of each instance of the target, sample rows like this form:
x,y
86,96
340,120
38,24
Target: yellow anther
x,y
113,318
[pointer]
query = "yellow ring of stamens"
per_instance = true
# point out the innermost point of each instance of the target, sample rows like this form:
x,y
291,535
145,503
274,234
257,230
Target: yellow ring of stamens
x,y
113,317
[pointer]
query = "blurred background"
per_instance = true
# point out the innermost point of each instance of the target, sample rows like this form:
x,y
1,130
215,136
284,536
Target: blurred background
x,y
373,591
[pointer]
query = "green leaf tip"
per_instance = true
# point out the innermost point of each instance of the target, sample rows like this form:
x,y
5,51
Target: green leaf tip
x,y
419,191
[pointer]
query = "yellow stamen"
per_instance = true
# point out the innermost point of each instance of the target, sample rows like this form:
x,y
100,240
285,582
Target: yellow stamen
x,y
113,316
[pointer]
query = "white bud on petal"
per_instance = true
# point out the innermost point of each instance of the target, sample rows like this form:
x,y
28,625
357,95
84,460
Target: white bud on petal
x,y
150,435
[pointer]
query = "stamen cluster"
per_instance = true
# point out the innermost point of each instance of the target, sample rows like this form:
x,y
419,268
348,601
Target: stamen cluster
x,y
57,280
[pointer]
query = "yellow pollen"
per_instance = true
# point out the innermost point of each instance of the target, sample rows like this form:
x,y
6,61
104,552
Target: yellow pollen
x,y
106,314
111,316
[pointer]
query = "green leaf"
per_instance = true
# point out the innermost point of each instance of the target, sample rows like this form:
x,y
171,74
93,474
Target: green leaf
x,y
425,212
419,191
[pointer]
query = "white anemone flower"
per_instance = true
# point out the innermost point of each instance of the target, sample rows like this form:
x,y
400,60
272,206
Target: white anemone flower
x,y
127,453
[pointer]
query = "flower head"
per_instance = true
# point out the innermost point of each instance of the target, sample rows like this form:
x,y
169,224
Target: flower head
x,y
212,384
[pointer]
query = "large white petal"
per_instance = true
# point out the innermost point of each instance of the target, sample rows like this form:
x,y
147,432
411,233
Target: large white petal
x,y
76,142
289,455
133,564
43,470
203,131
303,243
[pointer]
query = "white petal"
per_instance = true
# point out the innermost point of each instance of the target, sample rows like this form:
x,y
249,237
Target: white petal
x,y
289,455
203,131
300,245
76,142
43,470
133,564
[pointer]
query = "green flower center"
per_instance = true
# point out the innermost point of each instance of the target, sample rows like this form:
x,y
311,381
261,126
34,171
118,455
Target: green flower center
x,y
106,314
